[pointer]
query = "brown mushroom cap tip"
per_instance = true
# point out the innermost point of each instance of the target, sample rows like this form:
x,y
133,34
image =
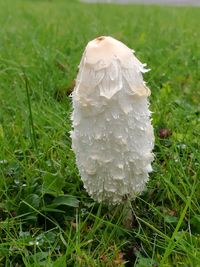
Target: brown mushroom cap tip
x,y
106,48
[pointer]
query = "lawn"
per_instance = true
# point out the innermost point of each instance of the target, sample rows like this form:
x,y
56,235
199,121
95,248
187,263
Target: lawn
x,y
46,217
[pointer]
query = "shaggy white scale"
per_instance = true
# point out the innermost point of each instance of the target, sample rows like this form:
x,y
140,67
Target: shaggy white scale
x,y
112,134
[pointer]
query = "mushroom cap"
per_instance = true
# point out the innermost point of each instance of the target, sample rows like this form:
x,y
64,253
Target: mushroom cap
x,y
112,134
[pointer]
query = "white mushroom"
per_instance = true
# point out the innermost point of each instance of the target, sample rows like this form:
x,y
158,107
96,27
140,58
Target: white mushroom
x,y
112,135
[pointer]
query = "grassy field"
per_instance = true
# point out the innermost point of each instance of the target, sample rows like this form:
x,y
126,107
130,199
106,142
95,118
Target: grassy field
x,y
46,217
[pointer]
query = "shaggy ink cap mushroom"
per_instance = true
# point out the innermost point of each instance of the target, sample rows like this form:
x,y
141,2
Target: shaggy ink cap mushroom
x,y
112,135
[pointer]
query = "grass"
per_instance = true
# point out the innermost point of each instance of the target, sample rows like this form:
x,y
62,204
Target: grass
x,y
46,217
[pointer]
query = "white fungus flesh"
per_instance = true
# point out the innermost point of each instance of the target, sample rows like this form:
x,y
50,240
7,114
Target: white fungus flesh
x,y
112,135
